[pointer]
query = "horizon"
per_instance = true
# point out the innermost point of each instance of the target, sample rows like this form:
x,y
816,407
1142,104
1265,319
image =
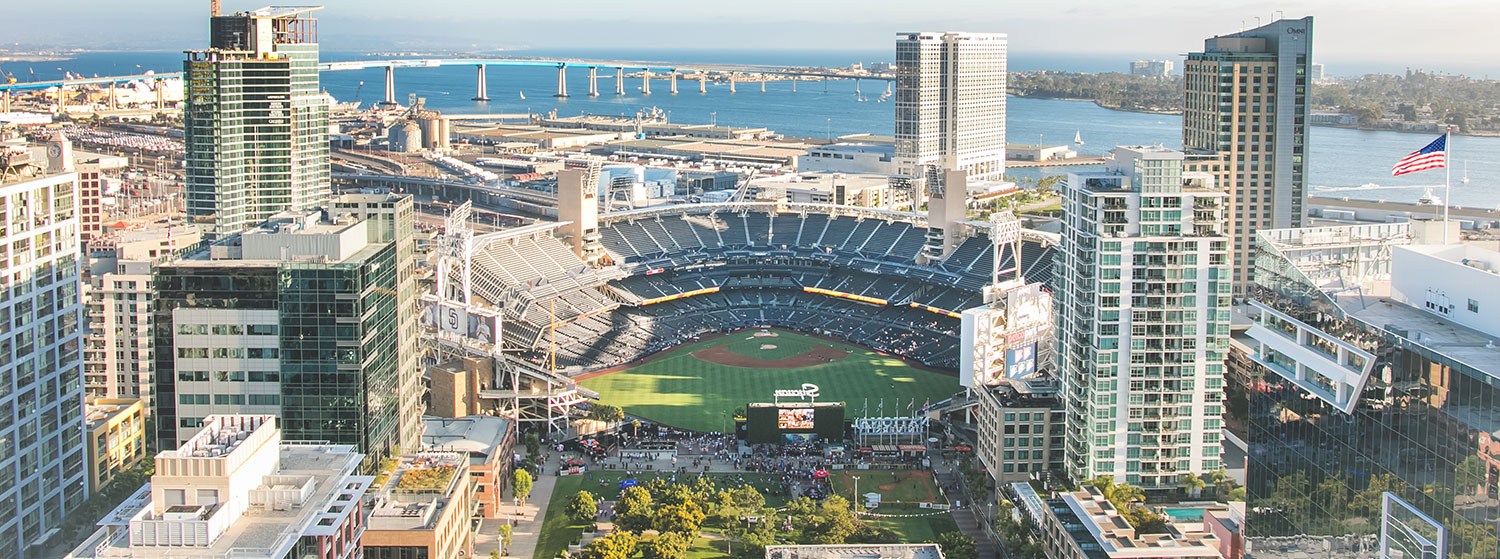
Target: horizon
x,y
1357,39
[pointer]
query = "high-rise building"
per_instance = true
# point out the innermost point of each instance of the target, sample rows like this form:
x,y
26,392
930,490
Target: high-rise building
x,y
117,350
254,123
41,410
950,103
310,317
1245,120
1142,305
1151,68
235,490
1374,406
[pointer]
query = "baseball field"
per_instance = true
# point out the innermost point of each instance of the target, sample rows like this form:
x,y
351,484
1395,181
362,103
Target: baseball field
x,y
698,386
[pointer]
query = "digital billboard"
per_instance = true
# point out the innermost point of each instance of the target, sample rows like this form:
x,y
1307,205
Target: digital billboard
x,y
1020,362
456,319
794,419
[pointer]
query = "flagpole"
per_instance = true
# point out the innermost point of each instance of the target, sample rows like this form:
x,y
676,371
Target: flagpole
x,y
1447,179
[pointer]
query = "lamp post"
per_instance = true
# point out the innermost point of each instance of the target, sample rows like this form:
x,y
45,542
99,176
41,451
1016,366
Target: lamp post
x,y
856,492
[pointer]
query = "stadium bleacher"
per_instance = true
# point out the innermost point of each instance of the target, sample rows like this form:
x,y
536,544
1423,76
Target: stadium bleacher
x,y
760,263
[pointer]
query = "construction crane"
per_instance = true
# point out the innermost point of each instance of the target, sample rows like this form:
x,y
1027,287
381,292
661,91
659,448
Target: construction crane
x,y
9,77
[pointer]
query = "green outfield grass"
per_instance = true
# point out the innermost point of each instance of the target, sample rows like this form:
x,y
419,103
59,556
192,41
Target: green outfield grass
x,y
680,390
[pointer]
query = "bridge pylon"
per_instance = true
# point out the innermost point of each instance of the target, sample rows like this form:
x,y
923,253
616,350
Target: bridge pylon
x,y
702,82
619,81
731,82
645,81
794,84
481,89
593,81
674,81
562,81
390,87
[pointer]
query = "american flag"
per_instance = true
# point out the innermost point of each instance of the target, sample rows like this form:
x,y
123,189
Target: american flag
x,y
1434,156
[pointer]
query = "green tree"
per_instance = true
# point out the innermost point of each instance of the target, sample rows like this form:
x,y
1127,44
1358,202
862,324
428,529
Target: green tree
x,y
670,545
606,413
583,507
506,532
831,522
633,510
520,487
533,444
1191,485
871,534
957,546
684,518
617,545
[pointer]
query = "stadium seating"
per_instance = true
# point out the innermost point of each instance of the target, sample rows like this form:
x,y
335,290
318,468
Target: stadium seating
x,y
761,263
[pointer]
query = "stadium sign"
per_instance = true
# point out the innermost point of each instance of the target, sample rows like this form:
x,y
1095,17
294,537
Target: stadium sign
x,y
807,392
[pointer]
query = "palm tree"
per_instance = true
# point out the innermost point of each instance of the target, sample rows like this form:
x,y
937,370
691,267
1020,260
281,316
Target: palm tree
x,y
1191,484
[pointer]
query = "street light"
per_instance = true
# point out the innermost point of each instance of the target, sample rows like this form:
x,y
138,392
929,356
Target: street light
x,y
856,491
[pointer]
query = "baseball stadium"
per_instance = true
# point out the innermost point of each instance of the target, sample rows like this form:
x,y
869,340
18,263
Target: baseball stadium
x,y
682,314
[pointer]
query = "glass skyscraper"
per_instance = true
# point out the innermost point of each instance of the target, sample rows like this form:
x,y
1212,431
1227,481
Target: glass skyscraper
x,y
1376,374
255,124
310,319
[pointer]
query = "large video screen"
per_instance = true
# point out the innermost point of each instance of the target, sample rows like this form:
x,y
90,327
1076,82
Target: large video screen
x,y
794,419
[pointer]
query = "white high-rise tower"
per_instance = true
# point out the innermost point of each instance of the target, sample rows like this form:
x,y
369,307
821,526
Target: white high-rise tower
x,y
1142,299
950,103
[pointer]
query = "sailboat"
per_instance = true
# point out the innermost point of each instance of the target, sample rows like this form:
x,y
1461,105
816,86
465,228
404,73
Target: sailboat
x,y
1465,178
1078,137
523,95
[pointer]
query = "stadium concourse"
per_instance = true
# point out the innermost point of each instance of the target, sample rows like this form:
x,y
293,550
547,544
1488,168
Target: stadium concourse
x,y
679,271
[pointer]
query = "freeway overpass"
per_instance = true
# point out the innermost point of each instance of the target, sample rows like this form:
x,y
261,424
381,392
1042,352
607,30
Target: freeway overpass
x,y
648,70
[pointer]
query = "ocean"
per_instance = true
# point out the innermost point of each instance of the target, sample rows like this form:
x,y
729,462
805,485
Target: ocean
x,y
1341,162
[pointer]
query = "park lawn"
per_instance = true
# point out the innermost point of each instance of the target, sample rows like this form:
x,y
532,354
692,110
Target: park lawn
x,y
911,486
745,342
558,531
915,530
678,389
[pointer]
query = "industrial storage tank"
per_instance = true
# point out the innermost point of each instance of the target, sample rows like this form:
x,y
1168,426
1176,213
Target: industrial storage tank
x,y
405,137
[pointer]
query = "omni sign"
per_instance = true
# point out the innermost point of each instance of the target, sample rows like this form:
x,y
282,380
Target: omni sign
x,y
807,392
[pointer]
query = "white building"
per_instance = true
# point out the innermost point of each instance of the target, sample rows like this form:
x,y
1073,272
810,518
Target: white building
x,y
1143,320
41,411
950,103
235,490
850,157
1151,68
117,351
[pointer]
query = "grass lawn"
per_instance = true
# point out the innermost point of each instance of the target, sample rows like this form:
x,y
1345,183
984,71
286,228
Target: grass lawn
x,y
907,486
682,391
558,531
919,529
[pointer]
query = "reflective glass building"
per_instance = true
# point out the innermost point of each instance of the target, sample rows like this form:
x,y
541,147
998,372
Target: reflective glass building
x,y
1376,399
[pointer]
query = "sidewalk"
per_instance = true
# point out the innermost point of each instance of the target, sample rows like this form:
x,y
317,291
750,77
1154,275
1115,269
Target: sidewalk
x,y
966,517
527,519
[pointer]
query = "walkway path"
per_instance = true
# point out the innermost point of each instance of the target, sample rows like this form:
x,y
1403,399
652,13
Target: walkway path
x,y
528,523
966,517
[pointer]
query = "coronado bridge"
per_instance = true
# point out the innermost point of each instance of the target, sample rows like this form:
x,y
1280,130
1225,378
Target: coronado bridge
x,y
647,70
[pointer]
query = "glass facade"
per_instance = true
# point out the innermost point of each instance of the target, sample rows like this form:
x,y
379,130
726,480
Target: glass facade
x,y
1424,428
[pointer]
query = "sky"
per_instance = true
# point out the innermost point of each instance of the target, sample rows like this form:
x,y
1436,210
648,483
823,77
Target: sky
x,y
1455,37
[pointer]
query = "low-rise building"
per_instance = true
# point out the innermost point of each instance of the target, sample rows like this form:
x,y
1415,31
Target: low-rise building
x,y
489,443
425,509
235,490
870,191
116,438
1084,525
1038,152
850,157
1020,427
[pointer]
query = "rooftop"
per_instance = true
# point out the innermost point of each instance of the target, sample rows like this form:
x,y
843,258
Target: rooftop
x,y
479,436
418,491
1104,527
101,410
263,531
